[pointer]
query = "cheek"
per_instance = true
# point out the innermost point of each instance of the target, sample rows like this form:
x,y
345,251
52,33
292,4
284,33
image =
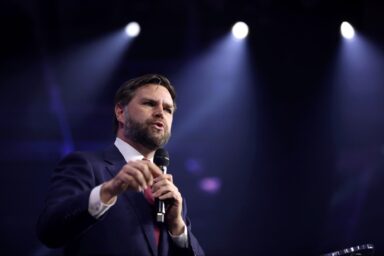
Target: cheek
x,y
139,114
169,121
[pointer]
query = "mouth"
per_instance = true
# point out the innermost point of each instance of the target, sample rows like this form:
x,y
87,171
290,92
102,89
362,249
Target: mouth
x,y
158,125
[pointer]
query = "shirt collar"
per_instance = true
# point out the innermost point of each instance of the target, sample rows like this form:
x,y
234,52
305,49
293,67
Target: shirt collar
x,y
129,153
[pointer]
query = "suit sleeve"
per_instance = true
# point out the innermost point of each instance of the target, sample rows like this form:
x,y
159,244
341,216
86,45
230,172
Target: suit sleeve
x,y
65,215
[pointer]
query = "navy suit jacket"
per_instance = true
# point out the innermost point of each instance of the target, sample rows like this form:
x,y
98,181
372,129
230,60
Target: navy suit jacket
x,y
125,229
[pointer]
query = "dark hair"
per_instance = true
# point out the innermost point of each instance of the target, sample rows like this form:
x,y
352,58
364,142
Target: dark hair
x,y
127,90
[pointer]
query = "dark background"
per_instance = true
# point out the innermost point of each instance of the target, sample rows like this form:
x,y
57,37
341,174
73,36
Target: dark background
x,y
296,155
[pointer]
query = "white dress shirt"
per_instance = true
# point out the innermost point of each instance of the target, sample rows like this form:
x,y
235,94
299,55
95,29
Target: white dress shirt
x,y
97,208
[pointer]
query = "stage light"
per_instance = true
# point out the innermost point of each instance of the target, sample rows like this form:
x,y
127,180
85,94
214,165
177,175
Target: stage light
x,y
240,30
132,29
210,185
347,31
194,166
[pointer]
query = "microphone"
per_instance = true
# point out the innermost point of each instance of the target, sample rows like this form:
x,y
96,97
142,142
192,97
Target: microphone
x,y
161,159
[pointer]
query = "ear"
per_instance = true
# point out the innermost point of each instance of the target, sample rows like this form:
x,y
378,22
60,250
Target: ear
x,y
119,113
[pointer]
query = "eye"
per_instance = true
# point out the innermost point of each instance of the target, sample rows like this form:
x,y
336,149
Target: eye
x,y
149,103
169,110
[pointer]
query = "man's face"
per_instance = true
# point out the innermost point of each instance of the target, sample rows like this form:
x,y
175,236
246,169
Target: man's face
x,y
148,116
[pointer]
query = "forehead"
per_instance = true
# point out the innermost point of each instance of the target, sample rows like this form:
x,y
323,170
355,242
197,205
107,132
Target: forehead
x,y
155,92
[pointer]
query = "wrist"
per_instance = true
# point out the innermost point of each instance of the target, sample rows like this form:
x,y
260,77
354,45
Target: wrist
x,y
106,195
176,228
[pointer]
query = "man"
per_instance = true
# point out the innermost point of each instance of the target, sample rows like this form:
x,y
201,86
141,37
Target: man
x,y
102,202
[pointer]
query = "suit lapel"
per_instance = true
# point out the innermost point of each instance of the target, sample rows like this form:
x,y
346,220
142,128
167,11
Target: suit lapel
x,y
136,200
114,159
163,242
145,215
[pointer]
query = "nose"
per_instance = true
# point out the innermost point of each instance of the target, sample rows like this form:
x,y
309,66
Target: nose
x,y
159,111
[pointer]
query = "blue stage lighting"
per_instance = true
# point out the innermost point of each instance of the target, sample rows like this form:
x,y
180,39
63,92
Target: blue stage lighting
x,y
132,29
240,30
347,31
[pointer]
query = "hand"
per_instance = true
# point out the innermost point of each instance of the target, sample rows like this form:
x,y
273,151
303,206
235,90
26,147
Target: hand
x,y
135,175
164,189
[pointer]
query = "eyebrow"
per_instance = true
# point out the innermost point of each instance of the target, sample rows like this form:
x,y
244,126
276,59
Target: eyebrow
x,y
166,104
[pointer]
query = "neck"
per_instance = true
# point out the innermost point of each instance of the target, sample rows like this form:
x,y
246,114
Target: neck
x,y
147,153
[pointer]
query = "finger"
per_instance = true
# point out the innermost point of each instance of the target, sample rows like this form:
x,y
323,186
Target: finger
x,y
154,169
169,177
171,195
165,189
138,177
128,181
164,177
142,166
164,184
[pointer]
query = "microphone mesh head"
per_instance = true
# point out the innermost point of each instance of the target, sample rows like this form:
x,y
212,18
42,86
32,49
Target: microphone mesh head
x,y
161,157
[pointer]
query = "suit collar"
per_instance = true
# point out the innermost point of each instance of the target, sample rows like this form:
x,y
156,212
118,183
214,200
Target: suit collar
x,y
129,153
112,155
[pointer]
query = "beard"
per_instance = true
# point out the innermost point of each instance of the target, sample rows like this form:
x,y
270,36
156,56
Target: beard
x,y
144,134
